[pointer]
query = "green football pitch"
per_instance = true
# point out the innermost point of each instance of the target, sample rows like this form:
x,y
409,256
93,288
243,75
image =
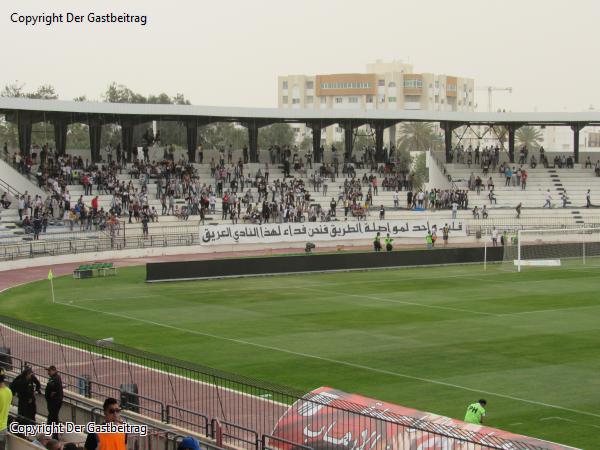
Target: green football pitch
x,y
434,339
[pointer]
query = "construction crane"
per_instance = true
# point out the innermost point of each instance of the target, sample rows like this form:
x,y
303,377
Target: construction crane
x,y
491,89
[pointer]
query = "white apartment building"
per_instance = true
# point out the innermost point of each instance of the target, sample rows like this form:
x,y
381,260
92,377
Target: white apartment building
x,y
392,85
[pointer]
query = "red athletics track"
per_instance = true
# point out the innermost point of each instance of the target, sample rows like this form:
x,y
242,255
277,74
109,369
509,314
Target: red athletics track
x,y
256,413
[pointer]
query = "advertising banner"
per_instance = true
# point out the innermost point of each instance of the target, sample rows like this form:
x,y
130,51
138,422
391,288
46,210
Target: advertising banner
x,y
324,231
334,420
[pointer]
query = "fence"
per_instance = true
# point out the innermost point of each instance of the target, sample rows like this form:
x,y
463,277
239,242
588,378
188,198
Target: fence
x,y
243,411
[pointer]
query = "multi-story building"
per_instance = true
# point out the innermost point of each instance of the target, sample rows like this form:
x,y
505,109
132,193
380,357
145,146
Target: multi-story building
x,y
392,85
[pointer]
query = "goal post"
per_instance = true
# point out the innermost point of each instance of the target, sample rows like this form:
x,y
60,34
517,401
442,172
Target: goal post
x,y
555,247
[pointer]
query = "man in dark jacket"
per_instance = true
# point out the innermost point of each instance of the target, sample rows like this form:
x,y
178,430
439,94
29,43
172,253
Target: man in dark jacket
x,y
54,396
25,385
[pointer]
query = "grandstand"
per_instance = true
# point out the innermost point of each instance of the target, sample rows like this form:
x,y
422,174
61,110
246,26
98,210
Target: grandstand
x,y
575,181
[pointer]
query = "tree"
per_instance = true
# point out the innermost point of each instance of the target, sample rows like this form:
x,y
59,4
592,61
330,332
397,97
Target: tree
x,y
421,170
530,137
221,135
277,134
403,160
418,136
307,143
41,132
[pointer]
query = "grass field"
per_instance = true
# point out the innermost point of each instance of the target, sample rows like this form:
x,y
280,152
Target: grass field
x,y
434,339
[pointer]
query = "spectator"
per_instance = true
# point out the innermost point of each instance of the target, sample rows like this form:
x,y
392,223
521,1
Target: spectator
x,y
5,402
188,443
588,199
377,242
54,396
41,440
53,444
25,385
548,200
108,441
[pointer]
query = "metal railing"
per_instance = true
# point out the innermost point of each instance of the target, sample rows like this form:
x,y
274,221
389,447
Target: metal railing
x,y
4,186
241,409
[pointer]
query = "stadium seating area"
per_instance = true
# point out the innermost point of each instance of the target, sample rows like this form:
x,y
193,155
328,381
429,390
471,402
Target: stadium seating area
x,y
575,182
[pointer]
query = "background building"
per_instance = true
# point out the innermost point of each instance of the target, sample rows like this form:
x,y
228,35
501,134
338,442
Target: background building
x,y
393,85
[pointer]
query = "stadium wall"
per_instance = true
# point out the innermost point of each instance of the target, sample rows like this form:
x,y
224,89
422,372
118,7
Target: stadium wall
x,y
270,265
192,249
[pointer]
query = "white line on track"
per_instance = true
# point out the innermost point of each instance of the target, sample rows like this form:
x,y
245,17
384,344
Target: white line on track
x,y
334,361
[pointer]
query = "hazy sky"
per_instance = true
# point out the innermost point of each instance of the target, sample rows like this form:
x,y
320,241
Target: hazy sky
x,y
230,52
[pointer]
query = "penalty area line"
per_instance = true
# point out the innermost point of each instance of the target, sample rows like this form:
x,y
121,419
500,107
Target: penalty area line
x,y
333,361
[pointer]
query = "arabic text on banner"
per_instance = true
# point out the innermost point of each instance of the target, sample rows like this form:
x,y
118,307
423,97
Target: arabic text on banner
x,y
323,231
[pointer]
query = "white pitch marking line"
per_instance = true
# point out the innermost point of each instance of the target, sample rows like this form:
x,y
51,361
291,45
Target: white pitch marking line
x,y
335,361
402,302
564,419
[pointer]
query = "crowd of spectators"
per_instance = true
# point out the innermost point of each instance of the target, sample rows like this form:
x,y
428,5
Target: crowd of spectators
x,y
242,196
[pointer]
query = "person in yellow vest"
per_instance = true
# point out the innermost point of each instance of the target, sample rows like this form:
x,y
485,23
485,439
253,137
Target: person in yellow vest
x,y
5,402
388,243
476,412
377,242
429,240
108,441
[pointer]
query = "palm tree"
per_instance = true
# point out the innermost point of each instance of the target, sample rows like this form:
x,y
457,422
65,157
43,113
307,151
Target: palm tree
x,y
530,137
417,136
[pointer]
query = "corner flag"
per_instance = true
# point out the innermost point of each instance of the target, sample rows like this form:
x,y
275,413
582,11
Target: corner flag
x,y
50,277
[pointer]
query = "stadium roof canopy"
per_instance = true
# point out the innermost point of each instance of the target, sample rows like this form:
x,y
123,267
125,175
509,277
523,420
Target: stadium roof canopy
x,y
182,112
60,113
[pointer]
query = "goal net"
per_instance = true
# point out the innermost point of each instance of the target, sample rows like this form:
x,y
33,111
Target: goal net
x,y
553,247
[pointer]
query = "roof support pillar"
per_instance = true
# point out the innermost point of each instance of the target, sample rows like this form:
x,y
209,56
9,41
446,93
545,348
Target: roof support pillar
x,y
448,128
511,142
379,156
316,142
24,124
192,139
253,141
60,135
95,130
127,140
576,127
348,138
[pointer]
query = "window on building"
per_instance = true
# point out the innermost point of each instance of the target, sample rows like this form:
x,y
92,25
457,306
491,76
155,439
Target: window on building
x,y
380,82
295,101
285,99
392,99
369,99
309,99
352,99
338,99
323,100
437,83
391,84
382,99
338,130
285,85
413,83
310,85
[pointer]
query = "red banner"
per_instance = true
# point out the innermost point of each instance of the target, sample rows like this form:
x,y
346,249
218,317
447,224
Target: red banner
x,y
334,420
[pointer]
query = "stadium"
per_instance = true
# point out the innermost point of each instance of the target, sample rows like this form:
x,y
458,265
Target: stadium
x,y
374,264
277,330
